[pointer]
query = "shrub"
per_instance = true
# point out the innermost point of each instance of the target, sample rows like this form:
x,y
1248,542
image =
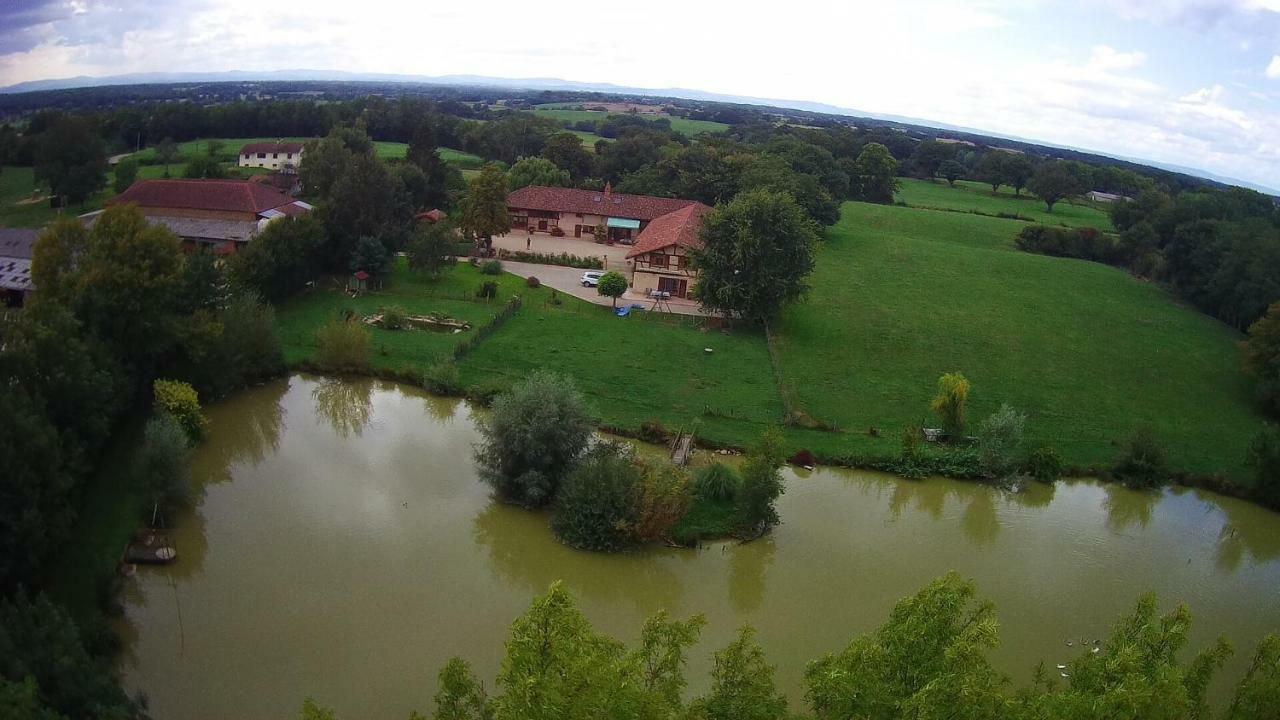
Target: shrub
x,y
532,282
588,262
1142,462
180,400
653,431
488,290
803,458
533,438
717,483
1264,457
998,439
442,379
486,391
161,463
491,267
595,508
342,345
1044,464
949,403
663,498
394,318
557,231
761,486
1079,243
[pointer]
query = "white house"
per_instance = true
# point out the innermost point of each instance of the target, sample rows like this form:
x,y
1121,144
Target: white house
x,y
283,156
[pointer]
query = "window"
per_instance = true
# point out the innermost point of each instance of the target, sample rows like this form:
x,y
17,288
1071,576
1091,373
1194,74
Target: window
x,y
275,156
658,260
262,155
578,215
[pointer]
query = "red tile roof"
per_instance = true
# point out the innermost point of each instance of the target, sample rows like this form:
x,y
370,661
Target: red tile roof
x,y
284,182
271,147
224,195
676,228
555,199
434,215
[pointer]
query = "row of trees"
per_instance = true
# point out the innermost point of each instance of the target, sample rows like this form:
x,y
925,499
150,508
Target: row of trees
x,y
928,660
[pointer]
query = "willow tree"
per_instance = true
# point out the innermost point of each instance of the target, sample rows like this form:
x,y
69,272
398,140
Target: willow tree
x,y
949,403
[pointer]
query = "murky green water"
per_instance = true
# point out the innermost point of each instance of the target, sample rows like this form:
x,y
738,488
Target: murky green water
x,y
342,548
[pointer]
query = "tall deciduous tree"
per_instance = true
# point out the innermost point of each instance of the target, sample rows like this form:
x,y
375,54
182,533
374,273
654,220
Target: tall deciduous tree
x,y
126,172
282,258
756,255
566,151
1017,172
876,174
166,152
1053,182
71,159
483,210
1262,358
432,248
929,156
536,171
761,486
951,171
742,686
991,169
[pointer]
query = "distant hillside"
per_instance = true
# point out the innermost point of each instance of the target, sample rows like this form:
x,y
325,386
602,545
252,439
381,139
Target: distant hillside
x,y
919,125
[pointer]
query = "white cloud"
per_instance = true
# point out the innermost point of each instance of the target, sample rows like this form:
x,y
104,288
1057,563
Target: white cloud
x,y
1273,70
1105,58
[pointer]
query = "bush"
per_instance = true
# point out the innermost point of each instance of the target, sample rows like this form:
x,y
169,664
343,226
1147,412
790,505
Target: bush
x,y
998,439
180,400
394,318
557,231
532,282
161,463
488,290
342,346
717,483
663,499
491,267
1142,462
533,438
1044,464
1264,457
589,262
442,379
485,392
653,431
803,458
595,508
1079,243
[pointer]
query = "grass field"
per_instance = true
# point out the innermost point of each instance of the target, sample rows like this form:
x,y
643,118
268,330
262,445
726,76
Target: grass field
x,y
16,185
901,296
684,126
231,148
972,196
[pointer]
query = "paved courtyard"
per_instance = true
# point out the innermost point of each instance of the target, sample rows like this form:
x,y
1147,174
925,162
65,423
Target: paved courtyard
x,y
569,281
615,256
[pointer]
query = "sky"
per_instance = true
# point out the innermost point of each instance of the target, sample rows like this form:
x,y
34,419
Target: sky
x,y
1188,82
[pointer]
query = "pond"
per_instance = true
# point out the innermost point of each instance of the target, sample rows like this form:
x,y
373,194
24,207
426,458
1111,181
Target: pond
x,y
341,547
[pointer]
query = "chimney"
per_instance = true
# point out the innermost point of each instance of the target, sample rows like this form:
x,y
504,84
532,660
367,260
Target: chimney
x,y
608,190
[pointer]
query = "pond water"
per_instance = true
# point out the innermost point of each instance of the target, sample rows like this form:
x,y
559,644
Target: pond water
x,y
341,547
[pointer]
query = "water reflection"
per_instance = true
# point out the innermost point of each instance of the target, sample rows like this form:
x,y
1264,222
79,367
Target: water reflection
x,y
747,569
252,436
980,523
1128,509
346,404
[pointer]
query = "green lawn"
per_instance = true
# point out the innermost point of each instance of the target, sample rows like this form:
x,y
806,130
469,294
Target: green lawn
x,y
976,197
463,160
902,295
231,148
684,126
17,184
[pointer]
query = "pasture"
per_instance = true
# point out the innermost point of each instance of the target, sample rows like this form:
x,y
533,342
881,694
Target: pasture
x,y
902,295
684,126
968,196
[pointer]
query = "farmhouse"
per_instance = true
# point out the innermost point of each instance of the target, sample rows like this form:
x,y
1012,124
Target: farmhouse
x,y
218,214
15,265
279,155
586,213
1105,197
661,255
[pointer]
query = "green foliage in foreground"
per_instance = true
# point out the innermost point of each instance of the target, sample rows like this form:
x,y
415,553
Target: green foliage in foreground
x,y
927,661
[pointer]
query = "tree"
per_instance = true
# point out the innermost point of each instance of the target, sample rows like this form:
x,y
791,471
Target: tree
x,y
460,696
761,486
371,256
1053,182
34,511
533,437
949,403
992,169
160,465
1142,462
1262,358
876,174
282,258
756,254
536,171
484,207
999,437
366,200
927,661
1017,172
566,151
180,400
1257,696
432,249
118,278
742,685
951,171
612,285
343,346
595,507
204,166
166,152
929,156
1264,457
126,172
71,159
